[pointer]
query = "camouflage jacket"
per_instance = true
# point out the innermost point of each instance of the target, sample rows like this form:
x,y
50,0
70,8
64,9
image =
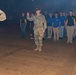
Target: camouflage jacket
x,y
39,21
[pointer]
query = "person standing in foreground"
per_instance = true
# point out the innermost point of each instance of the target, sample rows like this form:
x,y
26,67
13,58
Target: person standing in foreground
x,y
56,26
23,23
70,21
39,28
2,16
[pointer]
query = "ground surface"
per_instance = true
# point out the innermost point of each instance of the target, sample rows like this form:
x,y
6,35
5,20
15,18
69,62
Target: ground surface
x,y
17,56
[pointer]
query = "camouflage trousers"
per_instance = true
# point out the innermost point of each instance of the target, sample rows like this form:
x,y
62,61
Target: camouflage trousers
x,y
38,38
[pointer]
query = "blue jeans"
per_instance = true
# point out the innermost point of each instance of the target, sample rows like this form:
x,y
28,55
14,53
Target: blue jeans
x,y
61,33
23,26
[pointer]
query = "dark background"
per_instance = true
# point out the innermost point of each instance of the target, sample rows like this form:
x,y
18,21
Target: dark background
x,y
13,8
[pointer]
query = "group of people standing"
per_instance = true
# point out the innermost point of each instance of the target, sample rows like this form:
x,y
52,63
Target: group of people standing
x,y
60,23
54,25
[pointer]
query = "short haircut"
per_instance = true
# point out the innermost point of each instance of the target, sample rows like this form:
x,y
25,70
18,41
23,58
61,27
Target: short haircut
x,y
71,10
61,11
55,12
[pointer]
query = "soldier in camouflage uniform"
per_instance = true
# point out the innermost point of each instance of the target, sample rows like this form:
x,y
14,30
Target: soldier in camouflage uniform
x,y
39,28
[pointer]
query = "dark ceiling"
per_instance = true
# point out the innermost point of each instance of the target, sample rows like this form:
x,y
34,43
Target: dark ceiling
x,y
18,6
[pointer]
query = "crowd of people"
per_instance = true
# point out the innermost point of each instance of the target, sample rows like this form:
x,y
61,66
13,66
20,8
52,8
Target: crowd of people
x,y
61,25
56,25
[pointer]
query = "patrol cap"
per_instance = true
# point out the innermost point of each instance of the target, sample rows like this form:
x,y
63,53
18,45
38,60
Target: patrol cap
x,y
37,8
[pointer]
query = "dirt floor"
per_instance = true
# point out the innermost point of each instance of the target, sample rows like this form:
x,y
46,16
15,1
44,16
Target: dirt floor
x,y
17,56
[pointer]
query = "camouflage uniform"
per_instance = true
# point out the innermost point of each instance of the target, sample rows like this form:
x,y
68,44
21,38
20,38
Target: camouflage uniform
x,y
39,28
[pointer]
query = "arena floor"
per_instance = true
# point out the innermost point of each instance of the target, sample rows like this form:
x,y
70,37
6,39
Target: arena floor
x,y
17,56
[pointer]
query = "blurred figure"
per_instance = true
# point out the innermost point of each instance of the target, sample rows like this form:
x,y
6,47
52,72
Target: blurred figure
x,y
39,28
49,25
23,23
56,26
64,14
2,16
74,28
62,23
31,28
65,31
46,17
70,21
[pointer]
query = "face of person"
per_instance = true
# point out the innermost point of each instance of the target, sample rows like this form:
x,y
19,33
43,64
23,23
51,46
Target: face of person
x,y
71,13
56,15
50,15
64,14
61,13
38,11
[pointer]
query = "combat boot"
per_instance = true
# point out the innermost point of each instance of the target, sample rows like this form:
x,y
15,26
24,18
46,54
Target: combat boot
x,y
40,49
36,48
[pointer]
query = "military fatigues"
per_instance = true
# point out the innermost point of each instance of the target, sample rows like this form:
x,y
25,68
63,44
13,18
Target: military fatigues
x,y
39,28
